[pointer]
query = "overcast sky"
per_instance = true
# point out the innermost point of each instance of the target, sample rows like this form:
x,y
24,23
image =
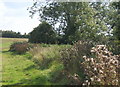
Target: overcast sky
x,y
15,16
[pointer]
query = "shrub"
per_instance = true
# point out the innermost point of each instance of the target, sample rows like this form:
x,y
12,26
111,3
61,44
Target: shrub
x,y
98,69
114,46
103,69
19,47
72,58
74,54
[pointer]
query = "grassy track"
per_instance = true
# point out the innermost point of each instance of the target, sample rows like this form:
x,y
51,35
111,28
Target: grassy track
x,y
20,69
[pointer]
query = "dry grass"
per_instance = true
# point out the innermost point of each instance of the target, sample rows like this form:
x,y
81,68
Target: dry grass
x,y
44,55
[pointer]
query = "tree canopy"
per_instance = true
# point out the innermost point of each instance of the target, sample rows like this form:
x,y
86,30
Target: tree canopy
x,y
43,33
79,20
12,34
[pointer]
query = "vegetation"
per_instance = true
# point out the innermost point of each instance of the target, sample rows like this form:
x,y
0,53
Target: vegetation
x,y
23,70
77,43
54,65
6,42
116,20
43,34
43,56
19,47
103,68
12,34
76,20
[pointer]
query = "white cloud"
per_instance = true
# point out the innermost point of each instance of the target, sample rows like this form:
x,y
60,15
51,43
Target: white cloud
x,y
23,0
20,24
2,9
16,19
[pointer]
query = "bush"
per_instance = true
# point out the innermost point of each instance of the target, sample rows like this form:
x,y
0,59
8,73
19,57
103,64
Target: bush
x,y
100,68
75,54
19,47
72,58
113,46
103,68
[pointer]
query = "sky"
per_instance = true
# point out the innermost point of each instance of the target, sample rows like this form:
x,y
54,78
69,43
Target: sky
x,y
15,16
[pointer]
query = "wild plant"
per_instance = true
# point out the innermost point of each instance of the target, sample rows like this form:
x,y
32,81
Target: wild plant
x,y
73,57
103,68
19,47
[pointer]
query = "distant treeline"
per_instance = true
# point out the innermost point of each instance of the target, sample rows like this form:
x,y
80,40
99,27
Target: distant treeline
x,y
12,34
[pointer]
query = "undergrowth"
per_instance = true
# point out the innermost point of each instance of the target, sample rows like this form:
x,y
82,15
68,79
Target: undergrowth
x,y
73,65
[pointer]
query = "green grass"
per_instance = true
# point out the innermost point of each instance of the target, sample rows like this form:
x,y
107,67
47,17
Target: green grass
x,y
6,42
21,69
18,69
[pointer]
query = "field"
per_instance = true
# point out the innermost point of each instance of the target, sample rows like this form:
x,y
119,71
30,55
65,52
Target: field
x,y
16,69
5,42
20,69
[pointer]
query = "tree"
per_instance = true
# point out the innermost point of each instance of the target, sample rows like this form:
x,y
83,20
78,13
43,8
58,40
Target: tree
x,y
77,20
25,35
44,33
116,19
12,34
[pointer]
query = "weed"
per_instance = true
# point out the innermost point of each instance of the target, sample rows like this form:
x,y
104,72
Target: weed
x,y
72,59
19,47
103,69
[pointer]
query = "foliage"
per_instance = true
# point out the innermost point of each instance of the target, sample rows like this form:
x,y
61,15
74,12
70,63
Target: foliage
x,y
46,56
72,59
113,46
43,55
76,20
12,34
43,34
116,26
19,47
49,64
103,69
82,68
116,19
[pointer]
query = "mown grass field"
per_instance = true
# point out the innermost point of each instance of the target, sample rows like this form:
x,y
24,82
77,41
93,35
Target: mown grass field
x,y
21,70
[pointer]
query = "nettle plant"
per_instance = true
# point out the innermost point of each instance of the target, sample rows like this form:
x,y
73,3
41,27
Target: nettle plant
x,y
103,68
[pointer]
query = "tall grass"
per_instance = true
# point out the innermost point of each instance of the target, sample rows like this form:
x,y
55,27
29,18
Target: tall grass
x,y
78,64
47,57
43,55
